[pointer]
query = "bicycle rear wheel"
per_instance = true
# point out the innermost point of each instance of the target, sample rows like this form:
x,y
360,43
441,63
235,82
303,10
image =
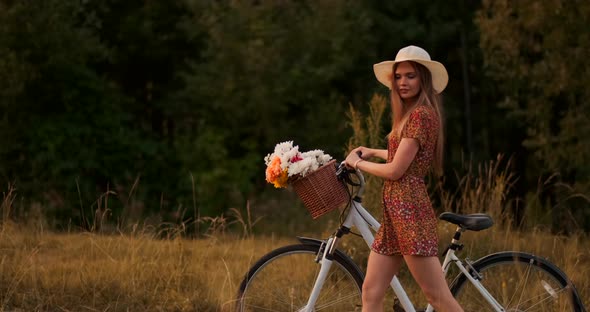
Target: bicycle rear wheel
x,y
519,282
283,279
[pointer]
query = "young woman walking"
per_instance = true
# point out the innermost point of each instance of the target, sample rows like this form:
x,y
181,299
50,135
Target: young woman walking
x,y
415,146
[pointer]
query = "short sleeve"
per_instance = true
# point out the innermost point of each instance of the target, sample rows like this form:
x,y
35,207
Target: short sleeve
x,y
418,126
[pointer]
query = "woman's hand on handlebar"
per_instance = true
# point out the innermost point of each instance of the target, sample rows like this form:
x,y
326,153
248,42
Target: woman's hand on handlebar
x,y
357,155
366,152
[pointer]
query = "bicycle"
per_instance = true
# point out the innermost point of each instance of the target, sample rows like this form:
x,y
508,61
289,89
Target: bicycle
x,y
316,276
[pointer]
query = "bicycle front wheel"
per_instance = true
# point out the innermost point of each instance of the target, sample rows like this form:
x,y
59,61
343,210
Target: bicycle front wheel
x,y
283,280
519,282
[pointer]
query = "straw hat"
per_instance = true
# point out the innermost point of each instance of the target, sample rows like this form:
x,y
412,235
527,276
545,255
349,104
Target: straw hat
x,y
440,78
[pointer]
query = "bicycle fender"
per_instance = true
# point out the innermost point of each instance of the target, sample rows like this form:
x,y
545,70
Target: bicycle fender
x,y
339,253
310,241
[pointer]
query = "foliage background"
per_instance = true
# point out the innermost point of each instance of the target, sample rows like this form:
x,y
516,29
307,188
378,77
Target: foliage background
x,y
126,110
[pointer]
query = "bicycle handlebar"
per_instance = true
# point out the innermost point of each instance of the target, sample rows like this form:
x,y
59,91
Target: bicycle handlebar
x,y
343,173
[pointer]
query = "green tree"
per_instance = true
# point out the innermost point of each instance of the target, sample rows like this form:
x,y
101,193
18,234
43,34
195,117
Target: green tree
x,y
57,115
173,104
150,45
271,71
69,132
537,52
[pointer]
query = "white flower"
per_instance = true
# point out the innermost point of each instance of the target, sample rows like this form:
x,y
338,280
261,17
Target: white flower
x,y
283,147
295,162
267,159
301,167
288,155
323,159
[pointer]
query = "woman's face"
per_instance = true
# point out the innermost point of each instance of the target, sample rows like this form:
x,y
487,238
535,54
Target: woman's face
x,y
406,81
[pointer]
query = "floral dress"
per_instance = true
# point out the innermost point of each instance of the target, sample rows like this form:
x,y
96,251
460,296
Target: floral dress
x,y
409,225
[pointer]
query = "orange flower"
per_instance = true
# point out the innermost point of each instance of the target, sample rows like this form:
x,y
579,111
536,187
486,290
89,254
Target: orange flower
x,y
273,170
286,161
281,181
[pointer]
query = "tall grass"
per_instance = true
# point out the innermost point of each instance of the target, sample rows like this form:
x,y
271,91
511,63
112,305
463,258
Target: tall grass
x,y
481,189
137,272
368,131
155,268
44,271
141,271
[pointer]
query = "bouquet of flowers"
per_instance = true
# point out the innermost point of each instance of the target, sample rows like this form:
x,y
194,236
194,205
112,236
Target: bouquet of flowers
x,y
287,162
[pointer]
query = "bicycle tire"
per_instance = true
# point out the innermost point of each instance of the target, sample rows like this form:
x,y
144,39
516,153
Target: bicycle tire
x,y
282,281
519,282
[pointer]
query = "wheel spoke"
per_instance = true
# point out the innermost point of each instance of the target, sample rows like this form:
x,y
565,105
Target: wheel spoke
x,y
283,280
329,304
519,282
542,299
523,282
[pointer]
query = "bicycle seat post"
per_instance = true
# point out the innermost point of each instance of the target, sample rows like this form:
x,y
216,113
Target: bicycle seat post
x,y
455,242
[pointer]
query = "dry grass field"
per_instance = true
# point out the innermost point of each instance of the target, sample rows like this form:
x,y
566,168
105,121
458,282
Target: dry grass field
x,y
87,272
143,269
43,271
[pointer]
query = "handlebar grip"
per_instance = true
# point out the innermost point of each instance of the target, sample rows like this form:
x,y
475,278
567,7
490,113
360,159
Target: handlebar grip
x,y
360,154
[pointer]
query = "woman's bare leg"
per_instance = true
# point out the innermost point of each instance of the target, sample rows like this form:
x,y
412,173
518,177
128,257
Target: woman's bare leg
x,y
380,271
428,274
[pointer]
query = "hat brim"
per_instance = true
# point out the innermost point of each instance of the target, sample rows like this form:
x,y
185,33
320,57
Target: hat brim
x,y
440,77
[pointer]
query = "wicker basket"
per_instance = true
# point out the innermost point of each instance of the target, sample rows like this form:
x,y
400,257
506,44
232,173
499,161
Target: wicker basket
x,y
321,191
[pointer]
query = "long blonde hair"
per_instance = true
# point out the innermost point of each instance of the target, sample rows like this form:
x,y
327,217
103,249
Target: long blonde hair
x,y
427,97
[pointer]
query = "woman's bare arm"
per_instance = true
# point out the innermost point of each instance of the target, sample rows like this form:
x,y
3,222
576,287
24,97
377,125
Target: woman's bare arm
x,y
367,153
405,154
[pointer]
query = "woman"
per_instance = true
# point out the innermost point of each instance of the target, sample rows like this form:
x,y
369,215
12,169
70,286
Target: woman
x,y
415,146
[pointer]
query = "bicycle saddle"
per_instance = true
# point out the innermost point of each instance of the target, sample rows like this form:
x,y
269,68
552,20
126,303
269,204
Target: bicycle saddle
x,y
472,222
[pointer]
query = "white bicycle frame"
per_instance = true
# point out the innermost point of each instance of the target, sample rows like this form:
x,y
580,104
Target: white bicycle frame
x,y
363,221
